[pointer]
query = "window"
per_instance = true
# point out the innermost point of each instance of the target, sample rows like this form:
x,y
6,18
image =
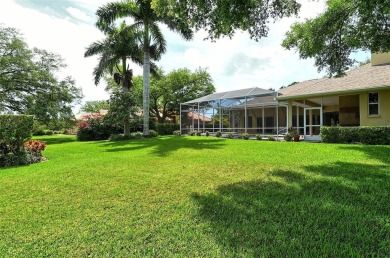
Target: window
x,y
373,103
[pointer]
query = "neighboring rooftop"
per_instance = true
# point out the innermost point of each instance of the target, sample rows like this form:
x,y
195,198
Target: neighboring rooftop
x,y
362,78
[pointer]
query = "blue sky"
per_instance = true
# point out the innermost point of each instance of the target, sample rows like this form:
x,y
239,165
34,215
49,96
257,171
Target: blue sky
x,y
67,27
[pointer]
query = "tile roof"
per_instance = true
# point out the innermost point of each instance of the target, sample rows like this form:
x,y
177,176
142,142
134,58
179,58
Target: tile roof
x,y
361,78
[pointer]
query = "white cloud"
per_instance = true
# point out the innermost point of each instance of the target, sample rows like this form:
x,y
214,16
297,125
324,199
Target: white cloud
x,y
78,14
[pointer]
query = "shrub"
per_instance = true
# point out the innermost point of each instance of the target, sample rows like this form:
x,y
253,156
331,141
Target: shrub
x,y
207,133
258,137
271,138
192,133
137,135
288,137
198,133
34,151
371,135
167,129
245,136
218,134
93,127
230,135
177,133
153,133
14,131
121,137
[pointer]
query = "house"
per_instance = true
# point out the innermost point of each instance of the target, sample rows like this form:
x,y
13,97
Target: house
x,y
360,98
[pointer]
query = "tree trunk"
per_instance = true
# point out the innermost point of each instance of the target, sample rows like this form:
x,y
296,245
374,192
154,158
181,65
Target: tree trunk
x,y
125,88
146,82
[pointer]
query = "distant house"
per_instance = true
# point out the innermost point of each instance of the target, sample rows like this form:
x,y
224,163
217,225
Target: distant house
x,y
360,98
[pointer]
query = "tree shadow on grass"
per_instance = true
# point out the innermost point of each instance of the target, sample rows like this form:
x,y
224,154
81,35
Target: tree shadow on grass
x,y
322,212
164,146
50,140
379,152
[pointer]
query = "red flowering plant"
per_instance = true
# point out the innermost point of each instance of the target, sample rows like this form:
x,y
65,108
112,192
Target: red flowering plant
x,y
34,150
93,127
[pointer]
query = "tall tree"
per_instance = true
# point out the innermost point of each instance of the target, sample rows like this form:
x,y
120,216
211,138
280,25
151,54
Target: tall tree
x,y
119,45
345,27
28,84
145,19
178,86
95,106
224,17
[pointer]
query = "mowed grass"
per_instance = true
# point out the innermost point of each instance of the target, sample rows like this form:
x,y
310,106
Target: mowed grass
x,y
197,197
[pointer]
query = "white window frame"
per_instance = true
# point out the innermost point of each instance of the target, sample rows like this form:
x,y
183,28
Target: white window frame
x,y
377,103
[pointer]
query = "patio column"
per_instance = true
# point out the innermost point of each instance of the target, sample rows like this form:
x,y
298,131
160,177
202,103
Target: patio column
x,y
198,117
277,121
213,118
289,114
246,117
310,122
220,116
180,118
263,118
203,118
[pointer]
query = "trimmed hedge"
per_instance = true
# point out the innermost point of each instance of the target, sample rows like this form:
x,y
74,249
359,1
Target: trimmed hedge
x,y
167,129
14,131
370,135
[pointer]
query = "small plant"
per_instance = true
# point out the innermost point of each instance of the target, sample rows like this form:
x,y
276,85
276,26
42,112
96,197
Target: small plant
x,y
258,137
245,136
295,135
207,133
271,138
153,133
177,133
137,135
192,133
218,134
34,150
230,135
288,137
121,137
198,133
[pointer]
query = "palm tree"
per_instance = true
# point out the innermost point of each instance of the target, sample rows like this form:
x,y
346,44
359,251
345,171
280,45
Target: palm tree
x,y
119,45
147,20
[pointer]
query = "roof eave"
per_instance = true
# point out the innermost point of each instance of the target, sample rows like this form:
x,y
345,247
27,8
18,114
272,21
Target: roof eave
x,y
291,97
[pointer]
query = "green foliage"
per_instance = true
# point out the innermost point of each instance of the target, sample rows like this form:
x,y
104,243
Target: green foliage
x,y
258,137
95,106
28,81
166,129
192,133
167,91
14,131
207,133
245,136
121,137
177,133
271,138
153,133
224,17
230,135
288,137
218,134
345,27
371,135
198,133
94,127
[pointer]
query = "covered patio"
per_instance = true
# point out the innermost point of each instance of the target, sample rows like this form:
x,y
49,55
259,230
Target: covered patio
x,y
252,110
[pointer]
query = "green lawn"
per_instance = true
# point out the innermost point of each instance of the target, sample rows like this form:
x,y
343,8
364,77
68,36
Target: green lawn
x,y
197,197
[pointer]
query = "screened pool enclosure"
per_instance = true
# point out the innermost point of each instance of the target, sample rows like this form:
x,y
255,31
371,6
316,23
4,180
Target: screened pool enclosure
x,y
253,111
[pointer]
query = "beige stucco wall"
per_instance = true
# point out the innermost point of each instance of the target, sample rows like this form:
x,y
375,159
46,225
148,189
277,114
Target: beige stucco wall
x,y
349,110
384,109
380,58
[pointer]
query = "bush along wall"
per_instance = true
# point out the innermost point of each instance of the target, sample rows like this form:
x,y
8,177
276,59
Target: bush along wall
x,y
15,130
371,135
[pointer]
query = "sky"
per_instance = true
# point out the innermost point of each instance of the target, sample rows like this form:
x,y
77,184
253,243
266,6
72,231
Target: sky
x,y
66,27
